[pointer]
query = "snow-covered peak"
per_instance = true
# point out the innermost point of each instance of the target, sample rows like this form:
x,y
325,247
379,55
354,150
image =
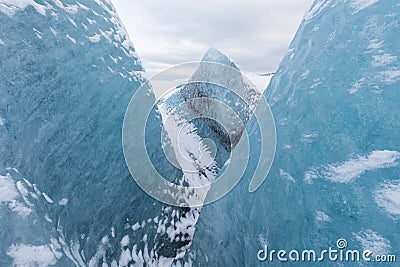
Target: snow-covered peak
x,y
216,56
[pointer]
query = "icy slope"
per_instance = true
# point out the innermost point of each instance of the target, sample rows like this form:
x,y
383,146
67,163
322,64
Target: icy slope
x,y
336,102
68,71
192,122
335,99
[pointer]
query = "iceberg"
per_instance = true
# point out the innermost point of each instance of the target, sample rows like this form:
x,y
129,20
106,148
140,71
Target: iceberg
x,y
200,134
335,175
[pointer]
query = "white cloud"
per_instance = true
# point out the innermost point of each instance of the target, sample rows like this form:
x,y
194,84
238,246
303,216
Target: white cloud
x,y
255,34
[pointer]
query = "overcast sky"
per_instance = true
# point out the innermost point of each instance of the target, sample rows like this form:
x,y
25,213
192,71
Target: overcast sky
x,y
255,34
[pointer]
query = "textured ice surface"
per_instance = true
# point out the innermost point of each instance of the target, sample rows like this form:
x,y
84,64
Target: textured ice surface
x,y
335,99
68,73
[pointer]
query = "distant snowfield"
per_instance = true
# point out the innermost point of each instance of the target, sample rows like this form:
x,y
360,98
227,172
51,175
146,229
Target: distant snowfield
x,y
347,171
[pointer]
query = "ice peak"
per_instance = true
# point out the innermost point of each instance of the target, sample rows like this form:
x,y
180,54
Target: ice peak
x,y
216,56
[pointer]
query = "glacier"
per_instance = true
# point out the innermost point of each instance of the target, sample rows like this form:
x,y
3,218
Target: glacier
x,y
67,198
335,100
68,71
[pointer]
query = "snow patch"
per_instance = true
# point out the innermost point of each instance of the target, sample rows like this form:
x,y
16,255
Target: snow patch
x,y
38,33
91,21
286,175
125,257
316,9
287,146
383,59
48,199
322,217
72,22
53,31
125,241
372,241
24,193
347,171
10,7
135,227
29,255
47,218
9,195
63,202
390,76
95,38
305,75
316,28
388,197
317,83
308,138
72,9
375,44
19,208
359,5
83,7
356,86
